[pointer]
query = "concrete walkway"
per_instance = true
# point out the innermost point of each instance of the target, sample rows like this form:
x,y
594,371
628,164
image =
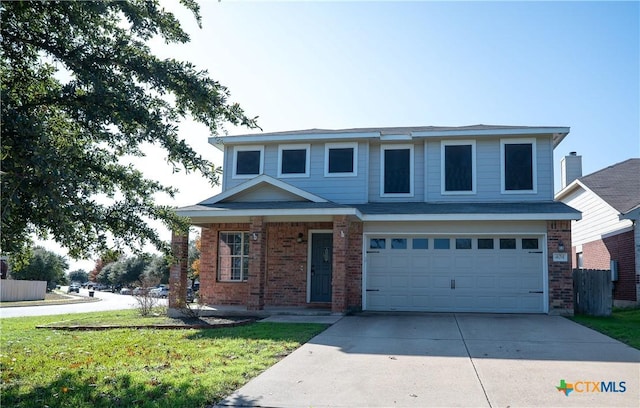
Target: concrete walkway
x,y
449,360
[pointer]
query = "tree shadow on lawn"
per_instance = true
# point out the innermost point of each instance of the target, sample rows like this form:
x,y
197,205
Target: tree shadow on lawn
x,y
77,390
289,332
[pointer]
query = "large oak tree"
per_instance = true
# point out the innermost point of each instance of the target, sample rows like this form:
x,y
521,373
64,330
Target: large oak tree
x,y
80,90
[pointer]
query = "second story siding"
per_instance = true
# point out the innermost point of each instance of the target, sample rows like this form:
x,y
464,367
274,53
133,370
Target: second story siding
x,y
463,167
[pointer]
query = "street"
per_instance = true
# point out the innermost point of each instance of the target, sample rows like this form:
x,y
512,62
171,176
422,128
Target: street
x,y
108,301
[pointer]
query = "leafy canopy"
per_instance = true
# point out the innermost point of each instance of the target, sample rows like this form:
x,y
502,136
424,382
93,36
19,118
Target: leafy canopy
x,y
42,265
80,90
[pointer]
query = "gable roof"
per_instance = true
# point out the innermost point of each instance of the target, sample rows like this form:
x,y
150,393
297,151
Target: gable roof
x,y
618,185
285,191
408,132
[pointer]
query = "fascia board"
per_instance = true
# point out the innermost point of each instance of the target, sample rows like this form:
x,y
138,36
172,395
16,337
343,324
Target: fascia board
x,y
472,217
491,132
297,138
206,212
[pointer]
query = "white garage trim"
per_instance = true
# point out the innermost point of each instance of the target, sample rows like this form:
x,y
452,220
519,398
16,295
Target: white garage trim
x,y
423,233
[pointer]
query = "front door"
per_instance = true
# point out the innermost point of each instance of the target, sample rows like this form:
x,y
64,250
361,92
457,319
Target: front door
x,y
321,261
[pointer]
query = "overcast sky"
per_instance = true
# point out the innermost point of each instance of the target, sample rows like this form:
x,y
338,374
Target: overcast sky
x,y
300,65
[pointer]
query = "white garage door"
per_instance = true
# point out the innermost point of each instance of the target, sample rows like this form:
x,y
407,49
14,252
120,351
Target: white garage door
x,y
501,274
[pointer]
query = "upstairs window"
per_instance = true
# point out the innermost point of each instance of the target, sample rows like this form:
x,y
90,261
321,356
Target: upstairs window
x,y
458,167
397,170
518,169
248,161
293,160
340,159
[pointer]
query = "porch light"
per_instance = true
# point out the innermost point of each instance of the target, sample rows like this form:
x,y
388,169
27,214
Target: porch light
x,y
300,236
254,236
560,246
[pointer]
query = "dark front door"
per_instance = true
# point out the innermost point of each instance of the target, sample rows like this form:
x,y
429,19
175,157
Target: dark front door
x,y
321,261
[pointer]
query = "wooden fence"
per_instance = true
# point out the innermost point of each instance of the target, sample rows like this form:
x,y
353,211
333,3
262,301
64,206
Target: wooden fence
x,y
592,292
16,290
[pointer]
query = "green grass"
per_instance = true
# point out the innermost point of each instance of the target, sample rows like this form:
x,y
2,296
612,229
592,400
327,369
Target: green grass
x,y
623,325
135,368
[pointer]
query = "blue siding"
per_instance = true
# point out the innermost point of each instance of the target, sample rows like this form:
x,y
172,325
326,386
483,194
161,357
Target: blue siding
x,y
345,190
427,173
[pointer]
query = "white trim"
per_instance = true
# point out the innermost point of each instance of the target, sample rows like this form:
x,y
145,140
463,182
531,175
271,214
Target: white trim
x,y
267,180
306,147
237,149
309,241
346,145
347,135
385,147
207,212
471,217
443,145
534,165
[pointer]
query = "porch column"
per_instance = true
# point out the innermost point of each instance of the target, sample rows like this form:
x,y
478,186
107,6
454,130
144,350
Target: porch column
x,y
340,252
178,270
257,252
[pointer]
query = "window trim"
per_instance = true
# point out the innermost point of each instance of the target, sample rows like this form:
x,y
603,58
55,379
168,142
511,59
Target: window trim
x,y
386,147
237,149
534,165
297,146
443,145
244,278
346,145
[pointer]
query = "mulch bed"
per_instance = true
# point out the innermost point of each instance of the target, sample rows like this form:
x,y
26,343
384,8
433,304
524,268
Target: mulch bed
x,y
184,323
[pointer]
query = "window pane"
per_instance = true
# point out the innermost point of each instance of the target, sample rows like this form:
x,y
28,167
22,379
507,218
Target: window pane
x,y
507,243
377,243
420,243
458,168
441,243
463,243
485,243
398,243
233,259
529,243
580,260
397,174
294,161
518,167
248,162
341,160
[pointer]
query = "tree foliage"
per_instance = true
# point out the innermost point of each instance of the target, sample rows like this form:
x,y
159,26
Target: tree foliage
x,y
42,265
81,90
78,275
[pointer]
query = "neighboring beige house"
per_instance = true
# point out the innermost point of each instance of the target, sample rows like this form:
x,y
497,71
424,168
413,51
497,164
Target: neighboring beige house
x,y
607,236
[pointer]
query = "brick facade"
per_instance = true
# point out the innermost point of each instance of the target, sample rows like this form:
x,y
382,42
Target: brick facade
x,y
620,247
278,269
178,270
560,273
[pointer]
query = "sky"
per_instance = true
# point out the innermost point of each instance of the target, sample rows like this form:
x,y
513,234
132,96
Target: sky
x,y
302,65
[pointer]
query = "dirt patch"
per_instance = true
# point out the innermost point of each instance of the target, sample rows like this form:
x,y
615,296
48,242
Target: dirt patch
x,y
169,324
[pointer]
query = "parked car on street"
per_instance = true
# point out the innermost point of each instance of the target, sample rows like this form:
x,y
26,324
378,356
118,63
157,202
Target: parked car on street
x,y
74,287
139,291
126,291
161,292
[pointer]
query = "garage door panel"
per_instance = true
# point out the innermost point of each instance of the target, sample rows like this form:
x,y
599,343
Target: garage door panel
x,y
485,280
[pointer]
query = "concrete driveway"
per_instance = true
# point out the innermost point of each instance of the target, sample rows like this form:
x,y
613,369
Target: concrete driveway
x,y
449,360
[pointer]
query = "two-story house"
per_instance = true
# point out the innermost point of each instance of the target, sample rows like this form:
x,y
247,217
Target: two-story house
x,y
436,219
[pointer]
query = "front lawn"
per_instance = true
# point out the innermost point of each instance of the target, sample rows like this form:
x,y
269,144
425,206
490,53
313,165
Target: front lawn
x,y
623,325
135,368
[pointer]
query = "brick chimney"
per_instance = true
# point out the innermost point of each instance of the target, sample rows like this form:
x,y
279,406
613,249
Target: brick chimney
x,y
570,168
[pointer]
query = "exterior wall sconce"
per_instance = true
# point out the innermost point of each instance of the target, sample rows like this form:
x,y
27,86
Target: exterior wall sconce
x,y
299,239
254,236
341,234
560,246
